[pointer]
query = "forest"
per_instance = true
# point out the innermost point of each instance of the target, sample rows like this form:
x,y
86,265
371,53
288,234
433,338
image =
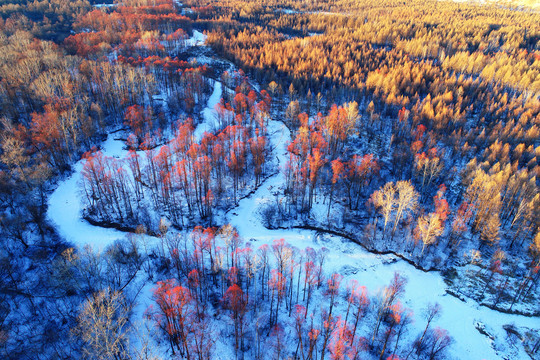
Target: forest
x,y
272,179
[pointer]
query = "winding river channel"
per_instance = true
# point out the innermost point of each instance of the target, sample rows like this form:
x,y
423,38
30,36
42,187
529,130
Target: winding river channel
x,y
373,271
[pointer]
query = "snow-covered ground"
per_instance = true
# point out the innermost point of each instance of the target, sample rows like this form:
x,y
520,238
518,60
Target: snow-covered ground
x,y
65,206
376,271
198,39
373,271
104,5
209,113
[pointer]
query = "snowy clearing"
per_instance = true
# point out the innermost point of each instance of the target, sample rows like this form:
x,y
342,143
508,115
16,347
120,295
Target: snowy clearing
x,y
104,5
198,39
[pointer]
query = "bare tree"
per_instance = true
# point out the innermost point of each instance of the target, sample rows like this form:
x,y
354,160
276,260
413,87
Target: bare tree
x,y
407,199
385,202
432,312
103,326
429,228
